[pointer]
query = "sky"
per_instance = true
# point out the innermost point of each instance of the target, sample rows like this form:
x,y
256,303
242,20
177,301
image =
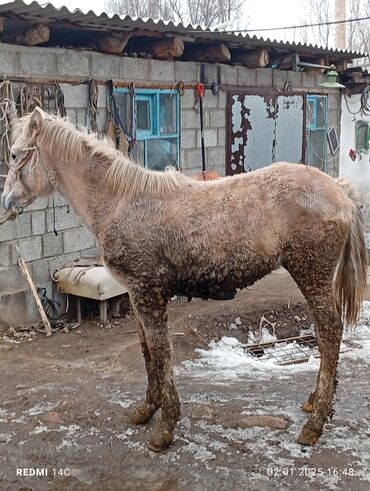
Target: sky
x,y
280,13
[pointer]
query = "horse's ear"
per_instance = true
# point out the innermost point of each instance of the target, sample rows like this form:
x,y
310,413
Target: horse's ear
x,y
36,121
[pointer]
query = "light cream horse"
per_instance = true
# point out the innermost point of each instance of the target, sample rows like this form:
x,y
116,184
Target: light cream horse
x,y
164,234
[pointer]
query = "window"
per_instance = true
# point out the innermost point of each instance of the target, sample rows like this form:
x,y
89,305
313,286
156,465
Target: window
x,y
316,125
153,125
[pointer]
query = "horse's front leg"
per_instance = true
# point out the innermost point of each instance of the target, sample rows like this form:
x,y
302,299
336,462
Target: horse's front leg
x,y
146,410
151,309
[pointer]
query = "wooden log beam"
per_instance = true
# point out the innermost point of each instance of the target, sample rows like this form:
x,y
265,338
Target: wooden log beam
x,y
113,45
1,24
166,49
37,34
210,53
256,58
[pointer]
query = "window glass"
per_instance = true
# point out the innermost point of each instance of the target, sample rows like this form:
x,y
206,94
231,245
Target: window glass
x,y
123,102
161,152
143,115
167,114
321,112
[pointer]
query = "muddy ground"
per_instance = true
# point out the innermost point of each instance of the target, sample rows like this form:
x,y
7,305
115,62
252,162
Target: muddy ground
x,y
65,401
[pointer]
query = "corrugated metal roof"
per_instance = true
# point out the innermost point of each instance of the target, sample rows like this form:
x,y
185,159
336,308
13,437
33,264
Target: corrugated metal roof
x,y
34,12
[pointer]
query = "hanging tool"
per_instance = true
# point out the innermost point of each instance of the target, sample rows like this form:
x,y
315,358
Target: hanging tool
x,y
205,176
199,89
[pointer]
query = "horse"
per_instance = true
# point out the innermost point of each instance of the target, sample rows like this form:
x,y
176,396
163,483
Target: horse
x,y
165,234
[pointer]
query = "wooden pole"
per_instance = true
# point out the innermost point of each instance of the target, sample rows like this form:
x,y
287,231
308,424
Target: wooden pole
x,y
27,276
212,53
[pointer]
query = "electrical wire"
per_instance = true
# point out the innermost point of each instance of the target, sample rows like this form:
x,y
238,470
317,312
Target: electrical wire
x,y
364,101
301,26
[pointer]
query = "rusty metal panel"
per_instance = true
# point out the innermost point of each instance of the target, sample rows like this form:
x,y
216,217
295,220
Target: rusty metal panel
x,y
289,129
264,128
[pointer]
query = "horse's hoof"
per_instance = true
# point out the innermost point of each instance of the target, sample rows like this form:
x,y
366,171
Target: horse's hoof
x,y
142,414
160,440
307,407
308,437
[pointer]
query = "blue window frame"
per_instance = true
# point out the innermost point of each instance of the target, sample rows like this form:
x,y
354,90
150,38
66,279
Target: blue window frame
x,y
316,128
150,118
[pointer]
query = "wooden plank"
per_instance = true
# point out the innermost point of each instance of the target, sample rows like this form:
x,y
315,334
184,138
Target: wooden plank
x,y
27,276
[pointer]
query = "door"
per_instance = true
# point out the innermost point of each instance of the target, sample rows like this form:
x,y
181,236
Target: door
x,y
264,128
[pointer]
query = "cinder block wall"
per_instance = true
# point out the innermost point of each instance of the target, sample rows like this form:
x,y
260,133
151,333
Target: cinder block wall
x,y
44,251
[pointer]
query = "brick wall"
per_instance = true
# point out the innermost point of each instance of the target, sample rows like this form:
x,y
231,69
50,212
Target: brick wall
x,y
40,247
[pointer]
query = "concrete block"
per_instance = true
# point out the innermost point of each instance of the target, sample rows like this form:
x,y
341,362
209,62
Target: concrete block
x,y
211,73
38,204
11,279
210,100
75,96
334,119
41,273
102,97
37,61
186,71
18,308
162,71
77,239
187,101
8,62
18,228
81,117
296,79
59,200
246,77
193,159
72,115
217,118
105,66
73,63
31,248
279,78
134,68
222,99
52,245
38,222
309,81
264,77
190,119
334,101
210,138
101,119
7,250
188,139
228,75
63,219
57,262
216,157
221,137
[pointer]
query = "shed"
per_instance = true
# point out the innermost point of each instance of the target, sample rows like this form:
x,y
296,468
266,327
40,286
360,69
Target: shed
x,y
262,103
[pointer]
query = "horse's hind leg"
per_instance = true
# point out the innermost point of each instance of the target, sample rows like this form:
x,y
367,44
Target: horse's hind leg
x,y
150,308
313,269
329,329
146,410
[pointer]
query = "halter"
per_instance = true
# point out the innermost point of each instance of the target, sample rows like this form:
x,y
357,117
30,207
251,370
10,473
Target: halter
x,y
31,156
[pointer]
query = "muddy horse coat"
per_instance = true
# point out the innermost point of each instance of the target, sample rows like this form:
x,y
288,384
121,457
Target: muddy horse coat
x,y
162,234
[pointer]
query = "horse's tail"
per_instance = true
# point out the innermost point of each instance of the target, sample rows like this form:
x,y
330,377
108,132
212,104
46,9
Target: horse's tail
x,y
350,280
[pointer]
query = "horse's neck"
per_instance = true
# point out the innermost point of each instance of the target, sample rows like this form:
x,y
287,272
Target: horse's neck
x,y
83,187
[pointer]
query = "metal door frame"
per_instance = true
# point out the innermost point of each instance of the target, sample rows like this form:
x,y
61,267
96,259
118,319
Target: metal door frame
x,y
261,91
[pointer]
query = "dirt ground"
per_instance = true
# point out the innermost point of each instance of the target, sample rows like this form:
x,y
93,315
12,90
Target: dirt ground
x,y
65,401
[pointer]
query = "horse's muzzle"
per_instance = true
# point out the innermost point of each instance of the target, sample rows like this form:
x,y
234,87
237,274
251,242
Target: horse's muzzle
x,y
8,201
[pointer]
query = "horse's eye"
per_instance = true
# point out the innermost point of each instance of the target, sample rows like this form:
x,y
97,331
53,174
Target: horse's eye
x,y
14,156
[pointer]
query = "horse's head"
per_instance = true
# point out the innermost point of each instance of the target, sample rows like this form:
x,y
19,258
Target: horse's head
x,y
28,175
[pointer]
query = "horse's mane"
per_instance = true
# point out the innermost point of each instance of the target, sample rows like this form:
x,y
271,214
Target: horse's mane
x,y
126,178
